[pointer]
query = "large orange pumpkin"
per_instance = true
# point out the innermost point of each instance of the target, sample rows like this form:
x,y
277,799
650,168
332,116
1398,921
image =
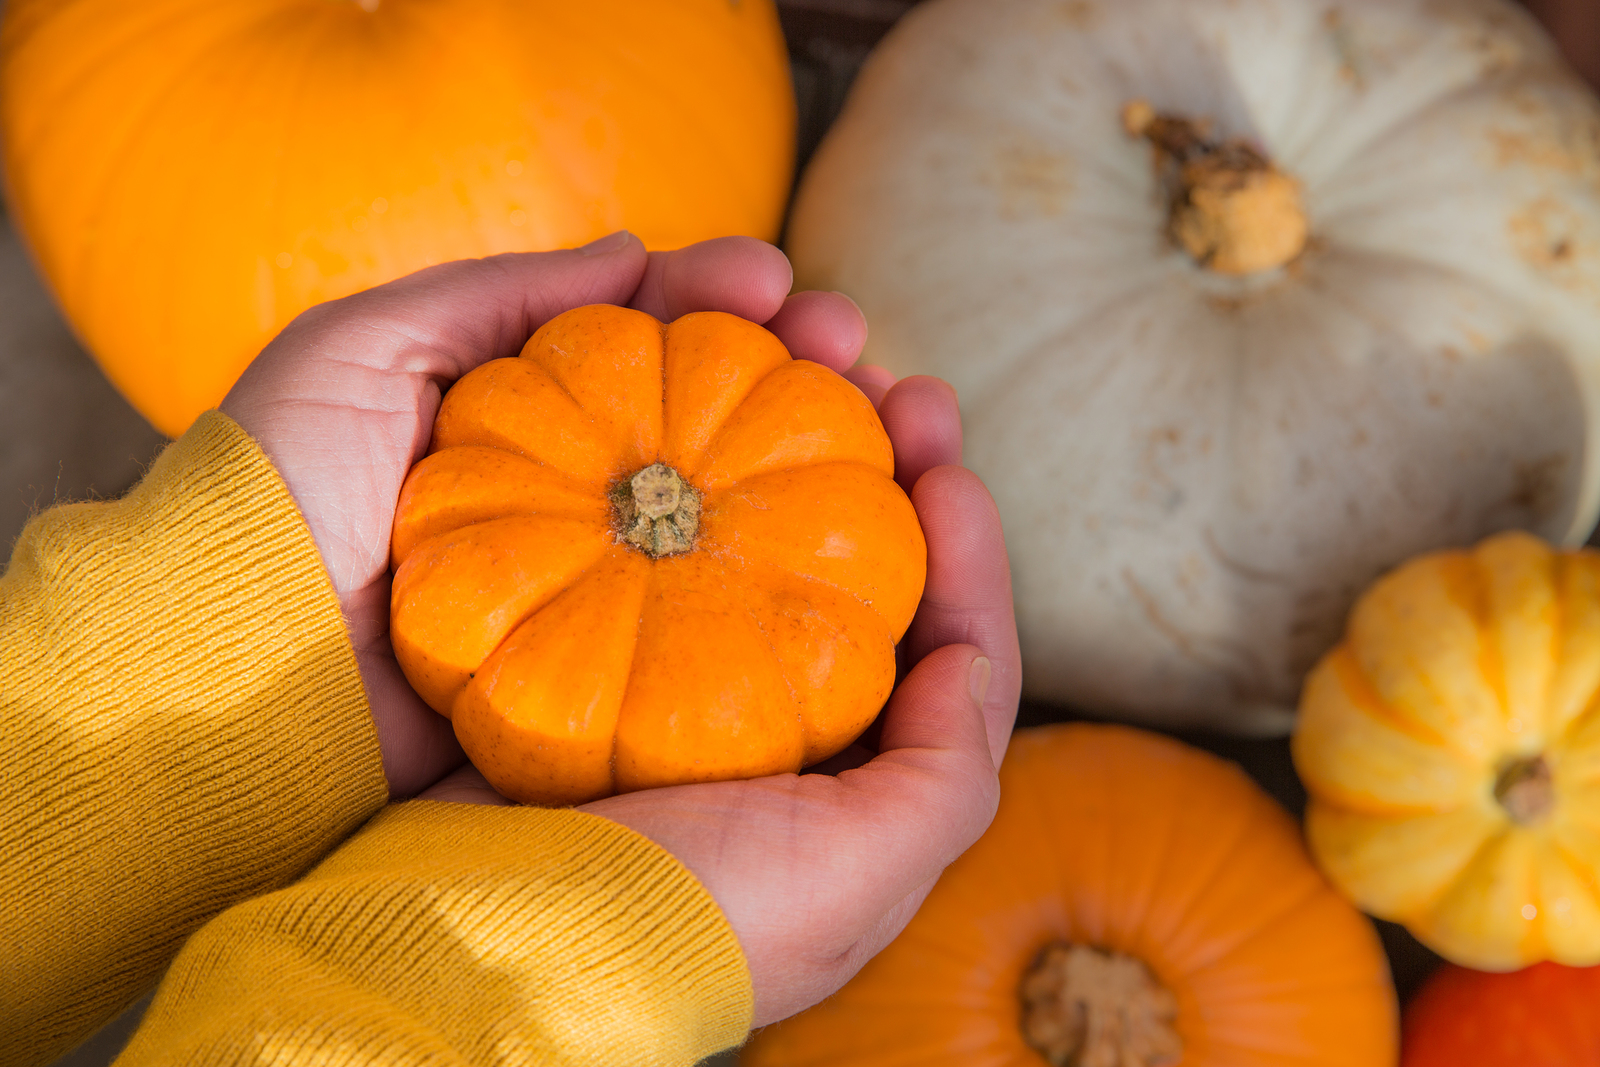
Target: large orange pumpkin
x,y
1135,902
190,174
643,555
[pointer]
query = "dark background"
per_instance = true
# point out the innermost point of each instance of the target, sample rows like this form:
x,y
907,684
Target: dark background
x,y
65,434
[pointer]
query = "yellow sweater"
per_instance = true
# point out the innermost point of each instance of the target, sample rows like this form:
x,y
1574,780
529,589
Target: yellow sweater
x,y
187,751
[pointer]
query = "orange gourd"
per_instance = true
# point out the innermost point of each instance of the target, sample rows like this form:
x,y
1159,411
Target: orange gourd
x,y
641,555
1450,745
190,175
1135,902
1540,1016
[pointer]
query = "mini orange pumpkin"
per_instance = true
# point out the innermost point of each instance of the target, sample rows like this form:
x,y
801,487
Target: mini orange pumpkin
x,y
1135,902
643,555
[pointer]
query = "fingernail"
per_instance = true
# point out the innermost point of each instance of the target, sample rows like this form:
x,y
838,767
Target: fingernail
x,y
978,680
611,242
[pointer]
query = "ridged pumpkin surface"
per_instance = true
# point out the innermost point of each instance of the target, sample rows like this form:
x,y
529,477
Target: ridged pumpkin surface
x,y
575,663
1230,456
190,175
1451,747
1135,844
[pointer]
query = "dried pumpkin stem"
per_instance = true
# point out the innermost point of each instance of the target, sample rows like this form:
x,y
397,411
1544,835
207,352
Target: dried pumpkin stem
x,y
1231,209
1083,1007
656,511
1525,789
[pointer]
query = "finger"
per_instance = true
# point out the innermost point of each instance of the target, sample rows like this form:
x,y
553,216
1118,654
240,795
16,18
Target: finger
x,y
967,599
445,320
930,793
873,380
935,708
465,786
825,328
418,744
739,275
924,423
875,837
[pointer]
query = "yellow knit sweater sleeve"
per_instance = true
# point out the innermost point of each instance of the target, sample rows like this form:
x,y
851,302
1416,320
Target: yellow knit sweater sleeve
x,y
452,934
184,731
182,726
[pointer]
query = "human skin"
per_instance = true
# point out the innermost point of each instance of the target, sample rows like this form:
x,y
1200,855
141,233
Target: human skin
x,y
814,872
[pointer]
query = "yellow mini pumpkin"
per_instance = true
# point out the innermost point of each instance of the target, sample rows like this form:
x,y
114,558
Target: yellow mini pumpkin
x,y
1451,747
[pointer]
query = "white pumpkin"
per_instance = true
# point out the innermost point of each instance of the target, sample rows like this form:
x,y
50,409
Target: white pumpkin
x,y
1199,468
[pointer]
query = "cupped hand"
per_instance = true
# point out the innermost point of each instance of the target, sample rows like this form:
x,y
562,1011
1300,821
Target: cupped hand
x,y
817,872
343,402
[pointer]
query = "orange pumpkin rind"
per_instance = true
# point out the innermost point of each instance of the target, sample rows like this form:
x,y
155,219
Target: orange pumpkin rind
x,y
1175,876
644,554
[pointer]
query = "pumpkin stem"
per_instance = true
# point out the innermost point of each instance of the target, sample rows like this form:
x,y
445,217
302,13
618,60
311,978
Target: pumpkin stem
x,y
656,511
1524,788
1231,209
1083,1007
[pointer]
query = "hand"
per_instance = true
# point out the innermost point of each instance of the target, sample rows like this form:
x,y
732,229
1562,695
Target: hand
x,y
343,402
817,872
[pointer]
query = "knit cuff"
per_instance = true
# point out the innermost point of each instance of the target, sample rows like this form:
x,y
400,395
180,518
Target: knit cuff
x,y
185,726
456,933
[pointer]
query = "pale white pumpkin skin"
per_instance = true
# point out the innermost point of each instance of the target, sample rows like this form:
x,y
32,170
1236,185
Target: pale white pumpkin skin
x,y
1198,473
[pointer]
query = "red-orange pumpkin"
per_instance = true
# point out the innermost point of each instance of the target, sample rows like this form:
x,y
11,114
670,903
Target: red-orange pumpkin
x,y
1547,1015
643,555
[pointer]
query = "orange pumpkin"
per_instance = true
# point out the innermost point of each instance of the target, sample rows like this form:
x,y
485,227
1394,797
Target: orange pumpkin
x,y
1135,902
643,555
190,175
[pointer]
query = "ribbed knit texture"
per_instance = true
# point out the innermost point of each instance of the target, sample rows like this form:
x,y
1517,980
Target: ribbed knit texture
x,y
184,727
452,934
